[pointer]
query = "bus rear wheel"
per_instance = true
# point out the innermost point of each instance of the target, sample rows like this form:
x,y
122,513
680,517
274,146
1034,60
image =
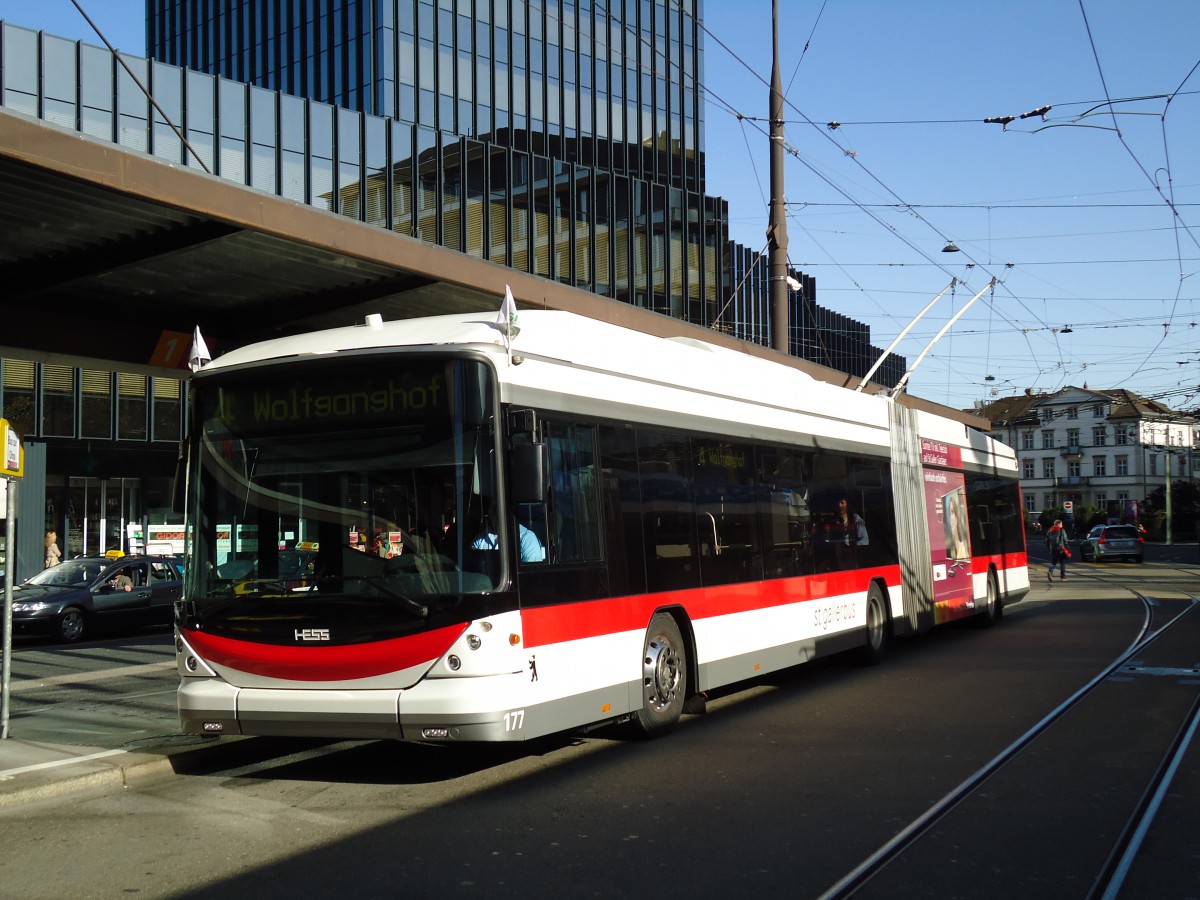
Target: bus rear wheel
x,y
993,609
878,630
664,677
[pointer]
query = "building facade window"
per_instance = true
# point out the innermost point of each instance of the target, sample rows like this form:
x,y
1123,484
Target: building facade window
x,y
1098,411
1100,465
167,413
1048,439
1072,437
1031,503
18,395
58,401
1074,468
1099,435
1101,499
1027,468
1026,440
1048,467
131,407
1072,412
96,404
1122,465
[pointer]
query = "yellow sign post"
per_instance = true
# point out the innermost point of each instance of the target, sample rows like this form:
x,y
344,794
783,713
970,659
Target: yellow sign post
x,y
12,456
14,453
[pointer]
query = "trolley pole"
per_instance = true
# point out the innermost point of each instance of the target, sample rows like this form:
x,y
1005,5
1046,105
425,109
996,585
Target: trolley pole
x,y
777,239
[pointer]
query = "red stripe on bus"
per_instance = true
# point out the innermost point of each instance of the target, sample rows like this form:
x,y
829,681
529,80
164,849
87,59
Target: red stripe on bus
x,y
1002,561
593,618
341,662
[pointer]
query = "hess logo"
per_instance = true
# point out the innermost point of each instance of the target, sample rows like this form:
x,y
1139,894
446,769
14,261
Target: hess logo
x,y
312,634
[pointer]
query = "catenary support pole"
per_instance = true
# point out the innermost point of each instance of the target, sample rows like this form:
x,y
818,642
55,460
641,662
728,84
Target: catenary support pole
x,y
777,230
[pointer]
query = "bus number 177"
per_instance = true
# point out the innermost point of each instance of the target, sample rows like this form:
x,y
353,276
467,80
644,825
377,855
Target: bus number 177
x,y
515,720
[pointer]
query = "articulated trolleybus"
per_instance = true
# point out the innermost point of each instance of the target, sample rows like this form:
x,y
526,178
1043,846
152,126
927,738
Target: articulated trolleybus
x,y
446,529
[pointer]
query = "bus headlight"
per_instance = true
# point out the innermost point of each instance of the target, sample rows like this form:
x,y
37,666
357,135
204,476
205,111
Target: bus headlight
x,y
453,663
474,642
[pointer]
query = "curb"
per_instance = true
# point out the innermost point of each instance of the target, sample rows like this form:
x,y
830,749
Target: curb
x,y
108,776
54,771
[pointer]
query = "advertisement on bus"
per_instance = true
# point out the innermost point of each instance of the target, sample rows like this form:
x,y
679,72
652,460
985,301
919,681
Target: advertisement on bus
x,y
949,530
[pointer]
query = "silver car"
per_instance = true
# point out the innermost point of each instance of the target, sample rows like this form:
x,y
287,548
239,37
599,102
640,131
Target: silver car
x,y
1111,542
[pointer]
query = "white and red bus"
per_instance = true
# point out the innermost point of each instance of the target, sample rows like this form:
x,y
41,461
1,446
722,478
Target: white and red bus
x,y
416,530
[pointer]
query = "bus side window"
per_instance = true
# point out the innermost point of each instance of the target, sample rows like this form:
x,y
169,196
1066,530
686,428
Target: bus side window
x,y
668,510
726,507
574,518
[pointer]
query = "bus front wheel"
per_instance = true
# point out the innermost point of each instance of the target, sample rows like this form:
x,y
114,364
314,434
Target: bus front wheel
x,y
664,677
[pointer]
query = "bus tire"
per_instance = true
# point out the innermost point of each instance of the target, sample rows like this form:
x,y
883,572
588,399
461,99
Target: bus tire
x,y
664,678
878,628
993,607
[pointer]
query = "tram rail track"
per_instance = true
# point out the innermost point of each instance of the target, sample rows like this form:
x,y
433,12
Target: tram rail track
x,y
1111,876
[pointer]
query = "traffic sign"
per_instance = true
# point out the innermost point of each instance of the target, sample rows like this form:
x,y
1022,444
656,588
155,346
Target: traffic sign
x,y
13,458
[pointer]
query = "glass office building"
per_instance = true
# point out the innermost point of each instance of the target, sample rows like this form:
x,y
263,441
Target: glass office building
x,y
560,137
564,139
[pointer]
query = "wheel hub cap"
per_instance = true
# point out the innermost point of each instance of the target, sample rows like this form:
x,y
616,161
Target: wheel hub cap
x,y
661,673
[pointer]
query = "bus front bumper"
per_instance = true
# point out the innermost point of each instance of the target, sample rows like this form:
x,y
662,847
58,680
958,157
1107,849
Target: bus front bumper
x,y
214,707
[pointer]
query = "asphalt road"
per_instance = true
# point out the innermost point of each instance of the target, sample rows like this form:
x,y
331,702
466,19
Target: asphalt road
x,y
785,786
99,694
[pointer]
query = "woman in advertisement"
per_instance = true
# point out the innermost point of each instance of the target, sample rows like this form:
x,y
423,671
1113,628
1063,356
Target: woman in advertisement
x,y
958,545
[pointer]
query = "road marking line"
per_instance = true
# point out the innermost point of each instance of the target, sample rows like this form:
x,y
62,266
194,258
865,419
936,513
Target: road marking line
x,y
29,684
8,774
290,759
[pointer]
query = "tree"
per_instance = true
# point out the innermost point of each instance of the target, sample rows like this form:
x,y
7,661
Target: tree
x,y
1185,510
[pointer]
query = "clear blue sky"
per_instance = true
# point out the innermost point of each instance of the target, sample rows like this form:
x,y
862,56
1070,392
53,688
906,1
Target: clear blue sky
x,y
1064,212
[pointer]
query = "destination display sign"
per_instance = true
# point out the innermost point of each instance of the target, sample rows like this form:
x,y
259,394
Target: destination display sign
x,y
314,398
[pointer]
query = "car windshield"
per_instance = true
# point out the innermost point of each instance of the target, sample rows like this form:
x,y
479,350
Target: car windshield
x,y
70,573
340,480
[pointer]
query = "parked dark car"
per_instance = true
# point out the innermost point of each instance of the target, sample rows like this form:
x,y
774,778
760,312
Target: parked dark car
x,y
69,600
1111,542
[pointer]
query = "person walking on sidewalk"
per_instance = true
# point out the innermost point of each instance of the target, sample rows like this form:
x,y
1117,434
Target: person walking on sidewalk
x,y
1056,543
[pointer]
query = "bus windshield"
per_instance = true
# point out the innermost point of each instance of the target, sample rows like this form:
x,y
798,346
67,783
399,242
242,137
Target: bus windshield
x,y
341,481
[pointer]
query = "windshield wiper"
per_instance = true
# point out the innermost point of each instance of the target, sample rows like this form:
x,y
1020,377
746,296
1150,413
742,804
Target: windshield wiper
x,y
240,599
380,583
255,596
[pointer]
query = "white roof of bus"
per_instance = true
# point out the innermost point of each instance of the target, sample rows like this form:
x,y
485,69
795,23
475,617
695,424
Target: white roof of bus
x,y
570,339
593,352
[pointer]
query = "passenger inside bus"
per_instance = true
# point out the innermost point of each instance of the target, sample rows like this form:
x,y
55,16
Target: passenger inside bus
x,y
838,536
532,548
